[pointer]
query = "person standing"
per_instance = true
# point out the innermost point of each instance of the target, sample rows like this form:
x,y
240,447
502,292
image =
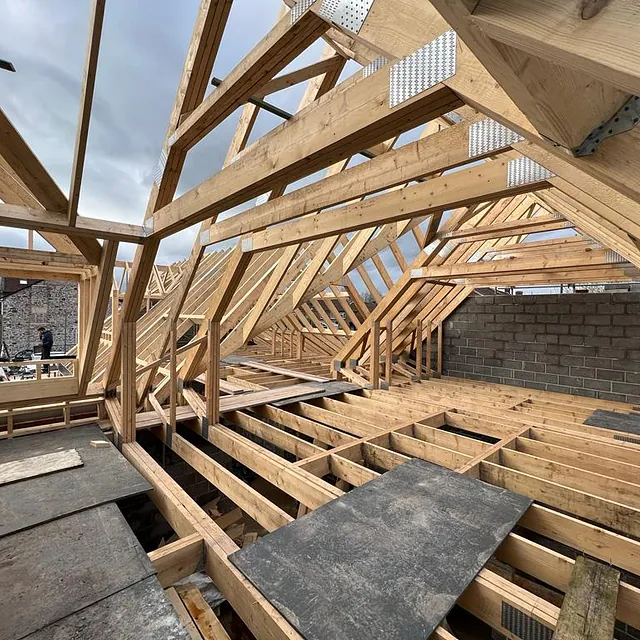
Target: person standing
x,y
46,337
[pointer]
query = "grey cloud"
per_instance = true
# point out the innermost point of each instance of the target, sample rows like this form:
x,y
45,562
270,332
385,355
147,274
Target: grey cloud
x,y
141,59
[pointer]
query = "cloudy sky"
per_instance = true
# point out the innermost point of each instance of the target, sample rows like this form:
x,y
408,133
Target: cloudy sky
x,y
144,44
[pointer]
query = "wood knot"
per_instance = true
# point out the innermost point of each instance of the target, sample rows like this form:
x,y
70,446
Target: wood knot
x,y
591,8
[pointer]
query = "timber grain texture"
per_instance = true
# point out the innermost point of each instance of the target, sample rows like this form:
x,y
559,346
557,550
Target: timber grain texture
x,y
589,608
38,466
335,574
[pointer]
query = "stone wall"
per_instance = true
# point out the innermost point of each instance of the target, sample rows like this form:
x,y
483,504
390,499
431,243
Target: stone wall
x,y
583,344
53,304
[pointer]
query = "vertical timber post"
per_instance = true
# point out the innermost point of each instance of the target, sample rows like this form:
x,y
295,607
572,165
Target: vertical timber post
x,y
388,359
213,372
374,363
429,349
419,344
440,339
173,375
115,313
300,344
128,381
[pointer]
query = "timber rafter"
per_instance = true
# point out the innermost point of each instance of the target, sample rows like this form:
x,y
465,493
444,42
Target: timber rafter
x,y
346,269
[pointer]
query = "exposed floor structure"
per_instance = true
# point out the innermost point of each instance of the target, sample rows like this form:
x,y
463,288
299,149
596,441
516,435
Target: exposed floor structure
x,y
297,354
69,559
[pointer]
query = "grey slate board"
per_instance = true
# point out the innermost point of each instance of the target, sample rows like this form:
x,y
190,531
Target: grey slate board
x,y
616,421
139,612
387,560
51,571
105,476
330,389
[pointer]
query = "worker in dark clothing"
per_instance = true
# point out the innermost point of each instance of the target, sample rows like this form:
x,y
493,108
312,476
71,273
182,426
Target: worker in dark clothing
x,y
46,337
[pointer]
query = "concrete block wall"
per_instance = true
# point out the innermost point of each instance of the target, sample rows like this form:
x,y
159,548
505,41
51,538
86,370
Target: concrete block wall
x,y
51,303
582,344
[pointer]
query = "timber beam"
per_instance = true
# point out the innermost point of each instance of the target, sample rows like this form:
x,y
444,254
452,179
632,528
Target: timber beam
x,y
57,222
367,120
462,188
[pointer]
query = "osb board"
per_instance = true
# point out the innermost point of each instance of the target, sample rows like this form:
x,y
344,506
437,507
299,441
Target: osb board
x,y
36,466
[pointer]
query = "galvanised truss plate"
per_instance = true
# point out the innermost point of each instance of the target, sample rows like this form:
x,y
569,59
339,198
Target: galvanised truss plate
x,y
376,65
624,120
348,14
423,69
488,135
300,7
524,170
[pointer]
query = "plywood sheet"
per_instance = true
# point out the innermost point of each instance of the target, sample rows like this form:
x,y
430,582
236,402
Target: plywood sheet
x,y
54,570
255,398
38,466
263,366
329,389
105,476
386,560
139,612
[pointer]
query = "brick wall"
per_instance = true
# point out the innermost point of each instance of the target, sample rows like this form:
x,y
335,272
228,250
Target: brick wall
x,y
53,304
583,344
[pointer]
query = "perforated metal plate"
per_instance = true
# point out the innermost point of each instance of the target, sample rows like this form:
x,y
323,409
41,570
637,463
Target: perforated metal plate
x,y
627,439
159,172
488,135
613,257
624,120
453,116
376,65
423,69
348,14
523,626
300,7
329,8
559,216
524,170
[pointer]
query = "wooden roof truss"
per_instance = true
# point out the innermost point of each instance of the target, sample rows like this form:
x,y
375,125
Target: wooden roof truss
x,y
526,127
